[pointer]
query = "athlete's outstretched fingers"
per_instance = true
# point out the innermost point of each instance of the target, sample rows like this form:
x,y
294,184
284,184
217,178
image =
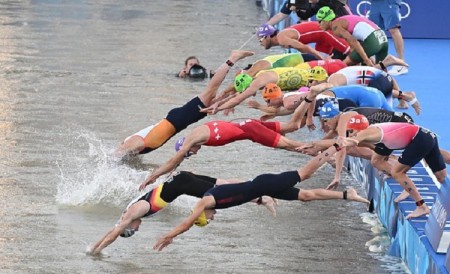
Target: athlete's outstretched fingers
x,y
162,243
333,185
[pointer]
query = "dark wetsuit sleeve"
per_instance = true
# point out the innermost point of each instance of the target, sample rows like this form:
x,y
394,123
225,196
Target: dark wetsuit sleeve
x,y
186,183
184,116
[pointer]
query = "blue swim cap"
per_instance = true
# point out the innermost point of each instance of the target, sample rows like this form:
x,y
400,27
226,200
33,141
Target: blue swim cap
x,y
329,110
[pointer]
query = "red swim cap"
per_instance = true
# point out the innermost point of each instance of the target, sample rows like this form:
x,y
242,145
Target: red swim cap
x,y
358,122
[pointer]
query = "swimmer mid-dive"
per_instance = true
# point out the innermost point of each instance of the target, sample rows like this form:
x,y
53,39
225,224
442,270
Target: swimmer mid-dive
x,y
156,199
280,186
154,136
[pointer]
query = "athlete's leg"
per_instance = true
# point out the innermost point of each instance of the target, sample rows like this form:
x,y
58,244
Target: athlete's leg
x,y
322,194
398,41
409,97
441,175
381,163
131,146
288,144
391,60
446,155
210,92
395,87
399,174
257,67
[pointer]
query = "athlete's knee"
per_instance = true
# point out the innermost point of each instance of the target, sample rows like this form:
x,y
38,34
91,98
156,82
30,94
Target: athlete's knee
x,y
304,174
306,195
291,126
376,161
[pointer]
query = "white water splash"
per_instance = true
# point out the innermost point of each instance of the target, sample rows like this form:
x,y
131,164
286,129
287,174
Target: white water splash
x,y
381,240
90,175
380,244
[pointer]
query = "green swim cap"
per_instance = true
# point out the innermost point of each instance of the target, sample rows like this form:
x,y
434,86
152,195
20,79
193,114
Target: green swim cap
x,y
242,81
325,14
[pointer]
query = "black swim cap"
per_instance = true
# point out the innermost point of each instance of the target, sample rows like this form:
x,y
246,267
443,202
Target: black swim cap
x,y
198,72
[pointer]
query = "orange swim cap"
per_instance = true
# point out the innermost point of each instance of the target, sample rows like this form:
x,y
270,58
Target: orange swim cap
x,y
271,91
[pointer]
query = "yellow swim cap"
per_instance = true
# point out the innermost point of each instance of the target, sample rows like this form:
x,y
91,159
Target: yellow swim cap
x,y
318,73
201,220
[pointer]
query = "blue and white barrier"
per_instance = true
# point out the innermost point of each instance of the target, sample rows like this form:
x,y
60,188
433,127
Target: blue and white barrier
x,y
422,243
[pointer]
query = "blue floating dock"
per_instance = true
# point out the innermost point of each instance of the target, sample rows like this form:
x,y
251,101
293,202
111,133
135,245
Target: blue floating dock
x,y
423,249
409,238
422,243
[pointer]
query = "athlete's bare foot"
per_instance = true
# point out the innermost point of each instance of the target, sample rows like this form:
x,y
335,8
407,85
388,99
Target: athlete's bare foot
x,y
354,196
391,60
237,55
270,204
317,89
402,196
419,211
402,104
411,98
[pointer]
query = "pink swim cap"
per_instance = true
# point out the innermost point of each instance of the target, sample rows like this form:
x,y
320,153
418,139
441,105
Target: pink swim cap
x,y
303,89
